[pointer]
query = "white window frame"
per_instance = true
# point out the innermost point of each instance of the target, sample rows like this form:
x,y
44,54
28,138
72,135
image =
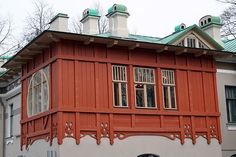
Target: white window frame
x,y
228,107
145,83
119,78
31,87
168,84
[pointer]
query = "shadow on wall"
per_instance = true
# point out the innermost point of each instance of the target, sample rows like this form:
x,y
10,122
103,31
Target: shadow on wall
x,y
148,155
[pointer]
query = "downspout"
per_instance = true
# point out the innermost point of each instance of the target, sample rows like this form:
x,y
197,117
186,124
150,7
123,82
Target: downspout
x,y
3,121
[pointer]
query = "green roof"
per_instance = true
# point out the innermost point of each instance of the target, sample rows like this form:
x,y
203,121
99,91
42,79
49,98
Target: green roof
x,y
5,57
230,45
89,12
177,35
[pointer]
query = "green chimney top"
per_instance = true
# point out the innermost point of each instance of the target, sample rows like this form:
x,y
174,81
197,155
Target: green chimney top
x,y
117,8
89,12
180,27
209,20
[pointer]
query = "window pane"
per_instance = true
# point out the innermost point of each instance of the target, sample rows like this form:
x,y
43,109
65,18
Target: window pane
x,y
123,94
172,95
232,111
116,93
139,95
45,96
150,96
166,97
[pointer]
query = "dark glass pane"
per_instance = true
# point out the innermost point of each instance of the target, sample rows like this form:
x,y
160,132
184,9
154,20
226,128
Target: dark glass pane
x,y
165,94
139,95
123,94
172,95
116,93
150,96
231,110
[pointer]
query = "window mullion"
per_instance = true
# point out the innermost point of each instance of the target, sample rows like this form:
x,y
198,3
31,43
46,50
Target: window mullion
x,y
120,94
169,97
145,95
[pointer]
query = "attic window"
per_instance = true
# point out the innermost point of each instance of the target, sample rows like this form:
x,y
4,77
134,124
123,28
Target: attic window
x,y
191,42
209,20
201,23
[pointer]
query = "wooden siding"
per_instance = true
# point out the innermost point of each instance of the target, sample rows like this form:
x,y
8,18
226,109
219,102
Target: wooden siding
x,y
81,98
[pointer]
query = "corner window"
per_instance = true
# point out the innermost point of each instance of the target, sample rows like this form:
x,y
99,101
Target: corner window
x,y
144,84
168,87
38,92
230,94
119,79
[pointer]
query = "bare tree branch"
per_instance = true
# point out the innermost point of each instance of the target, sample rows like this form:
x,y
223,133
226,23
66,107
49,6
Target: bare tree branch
x,y
38,20
228,18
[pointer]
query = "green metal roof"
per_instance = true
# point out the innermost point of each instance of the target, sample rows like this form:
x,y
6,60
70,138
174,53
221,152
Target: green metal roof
x,y
230,45
5,57
177,35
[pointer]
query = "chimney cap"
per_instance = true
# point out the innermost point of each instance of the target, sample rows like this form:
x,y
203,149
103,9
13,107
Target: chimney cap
x,y
120,8
89,12
180,27
209,20
59,15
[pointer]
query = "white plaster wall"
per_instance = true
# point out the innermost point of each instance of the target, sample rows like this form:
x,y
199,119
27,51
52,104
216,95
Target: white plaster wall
x,y
137,145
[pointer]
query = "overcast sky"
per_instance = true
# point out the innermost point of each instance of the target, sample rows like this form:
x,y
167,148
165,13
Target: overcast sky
x,y
147,17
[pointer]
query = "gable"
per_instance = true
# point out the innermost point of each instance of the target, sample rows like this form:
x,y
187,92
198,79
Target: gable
x,y
193,39
177,37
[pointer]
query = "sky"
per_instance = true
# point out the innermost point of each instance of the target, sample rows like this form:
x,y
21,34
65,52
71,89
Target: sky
x,y
147,17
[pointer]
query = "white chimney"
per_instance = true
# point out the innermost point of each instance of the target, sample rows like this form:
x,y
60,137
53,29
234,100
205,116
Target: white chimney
x,y
59,23
90,21
117,16
212,25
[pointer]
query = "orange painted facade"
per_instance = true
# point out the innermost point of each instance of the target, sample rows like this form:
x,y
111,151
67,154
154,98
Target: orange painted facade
x,y
81,98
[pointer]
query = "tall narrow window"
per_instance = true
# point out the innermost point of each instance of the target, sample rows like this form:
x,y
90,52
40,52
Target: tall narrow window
x,y
168,86
144,80
38,92
230,94
11,121
119,79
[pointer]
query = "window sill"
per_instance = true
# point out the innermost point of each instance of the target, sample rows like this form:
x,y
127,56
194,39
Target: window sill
x,y
151,108
231,126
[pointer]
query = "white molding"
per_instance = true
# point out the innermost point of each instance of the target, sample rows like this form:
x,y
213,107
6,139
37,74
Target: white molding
x,y
226,71
231,127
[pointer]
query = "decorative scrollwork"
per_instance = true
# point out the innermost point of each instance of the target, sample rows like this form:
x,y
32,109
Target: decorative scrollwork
x,y
69,129
213,131
104,130
187,130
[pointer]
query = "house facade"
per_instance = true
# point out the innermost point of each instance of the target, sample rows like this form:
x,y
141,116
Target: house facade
x,y
117,93
226,76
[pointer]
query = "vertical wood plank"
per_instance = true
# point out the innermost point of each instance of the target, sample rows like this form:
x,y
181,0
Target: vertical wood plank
x,y
96,70
77,127
111,128
110,94
159,89
131,96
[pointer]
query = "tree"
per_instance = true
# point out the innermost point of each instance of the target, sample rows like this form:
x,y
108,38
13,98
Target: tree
x,y
76,25
8,44
228,18
38,20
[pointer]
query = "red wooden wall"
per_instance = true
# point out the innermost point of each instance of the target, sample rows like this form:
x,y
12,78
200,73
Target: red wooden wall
x,y
81,95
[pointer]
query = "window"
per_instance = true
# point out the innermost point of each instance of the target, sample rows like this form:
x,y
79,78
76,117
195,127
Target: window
x,y
201,45
119,78
168,87
191,42
38,92
144,84
11,120
230,94
181,43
